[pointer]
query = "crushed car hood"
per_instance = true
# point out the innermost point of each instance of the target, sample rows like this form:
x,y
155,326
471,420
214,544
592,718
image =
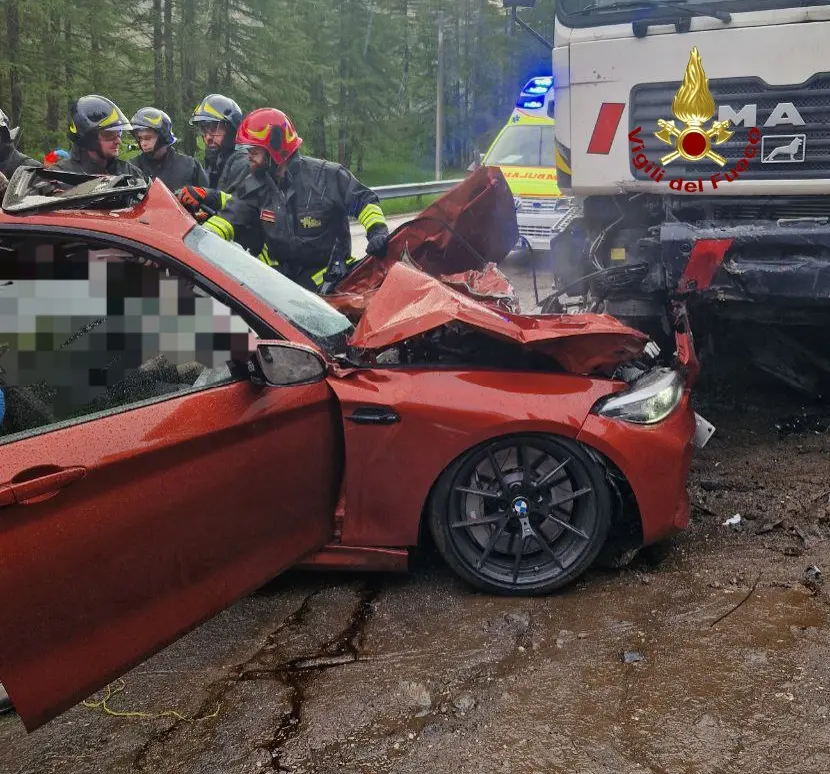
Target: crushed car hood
x,y
460,239
410,303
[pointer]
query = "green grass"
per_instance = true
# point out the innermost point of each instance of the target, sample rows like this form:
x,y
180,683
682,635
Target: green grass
x,y
388,172
407,204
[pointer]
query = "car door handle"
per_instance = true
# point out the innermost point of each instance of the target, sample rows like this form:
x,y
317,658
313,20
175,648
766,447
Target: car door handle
x,y
374,415
42,483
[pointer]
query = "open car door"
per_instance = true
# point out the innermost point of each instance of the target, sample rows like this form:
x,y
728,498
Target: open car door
x,y
122,532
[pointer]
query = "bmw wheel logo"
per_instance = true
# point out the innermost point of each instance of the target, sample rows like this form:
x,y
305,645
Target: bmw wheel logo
x,y
520,507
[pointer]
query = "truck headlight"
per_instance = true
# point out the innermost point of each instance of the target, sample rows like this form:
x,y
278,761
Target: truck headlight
x,y
647,401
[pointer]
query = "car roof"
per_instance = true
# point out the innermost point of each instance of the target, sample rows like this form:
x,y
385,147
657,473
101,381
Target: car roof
x,y
156,219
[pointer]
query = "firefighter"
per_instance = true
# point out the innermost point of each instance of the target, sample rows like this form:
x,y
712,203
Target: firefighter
x,y
10,157
153,130
217,118
95,126
299,207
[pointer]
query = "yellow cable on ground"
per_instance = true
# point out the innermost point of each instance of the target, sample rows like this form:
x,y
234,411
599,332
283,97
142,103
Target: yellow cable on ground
x,y
109,693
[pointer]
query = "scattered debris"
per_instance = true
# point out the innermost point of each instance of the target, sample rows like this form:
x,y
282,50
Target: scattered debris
x,y
464,703
736,522
418,694
812,578
769,526
631,657
733,609
801,424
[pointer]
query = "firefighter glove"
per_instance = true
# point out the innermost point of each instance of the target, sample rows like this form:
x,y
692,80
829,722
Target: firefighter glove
x,y
195,198
378,241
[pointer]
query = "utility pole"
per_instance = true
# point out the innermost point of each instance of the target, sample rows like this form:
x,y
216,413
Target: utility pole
x,y
439,105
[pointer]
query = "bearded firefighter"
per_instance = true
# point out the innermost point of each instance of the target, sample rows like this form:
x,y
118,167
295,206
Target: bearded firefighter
x,y
294,210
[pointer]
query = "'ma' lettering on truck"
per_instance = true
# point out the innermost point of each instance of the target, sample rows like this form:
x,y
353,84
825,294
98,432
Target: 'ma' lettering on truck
x,y
784,113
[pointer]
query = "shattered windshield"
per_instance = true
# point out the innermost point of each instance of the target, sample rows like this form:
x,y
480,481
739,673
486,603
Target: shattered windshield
x,y
305,310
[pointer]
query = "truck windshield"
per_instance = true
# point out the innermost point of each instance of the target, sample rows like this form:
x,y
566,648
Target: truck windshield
x,y
593,13
523,146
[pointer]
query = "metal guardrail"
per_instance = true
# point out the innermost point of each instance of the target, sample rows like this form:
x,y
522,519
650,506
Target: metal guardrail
x,y
414,189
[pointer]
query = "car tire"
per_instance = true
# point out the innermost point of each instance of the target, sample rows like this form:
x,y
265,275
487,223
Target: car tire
x,y
530,527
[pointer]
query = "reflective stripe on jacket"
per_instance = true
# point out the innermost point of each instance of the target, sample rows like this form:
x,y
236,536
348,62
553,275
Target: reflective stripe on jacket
x,y
301,218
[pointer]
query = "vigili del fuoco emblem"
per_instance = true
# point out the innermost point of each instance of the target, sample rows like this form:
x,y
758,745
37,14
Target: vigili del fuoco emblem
x,y
693,106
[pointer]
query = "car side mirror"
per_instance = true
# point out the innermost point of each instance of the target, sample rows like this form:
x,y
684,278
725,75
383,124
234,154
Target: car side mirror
x,y
285,364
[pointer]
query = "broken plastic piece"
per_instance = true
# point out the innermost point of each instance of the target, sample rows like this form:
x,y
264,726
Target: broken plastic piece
x,y
704,430
631,657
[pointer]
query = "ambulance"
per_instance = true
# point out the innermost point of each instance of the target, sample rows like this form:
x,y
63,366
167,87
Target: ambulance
x,y
525,150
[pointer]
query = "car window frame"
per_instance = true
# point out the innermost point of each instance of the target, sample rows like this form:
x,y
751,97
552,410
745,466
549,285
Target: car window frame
x,y
183,272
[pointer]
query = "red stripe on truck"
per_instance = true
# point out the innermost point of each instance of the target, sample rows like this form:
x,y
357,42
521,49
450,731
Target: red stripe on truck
x,y
608,121
704,262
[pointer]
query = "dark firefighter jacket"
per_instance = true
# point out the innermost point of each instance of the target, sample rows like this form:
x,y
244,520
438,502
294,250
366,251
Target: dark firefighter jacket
x,y
297,221
175,170
228,171
11,159
80,161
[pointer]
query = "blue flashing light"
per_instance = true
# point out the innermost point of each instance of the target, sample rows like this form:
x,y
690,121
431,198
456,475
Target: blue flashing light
x,y
529,103
540,85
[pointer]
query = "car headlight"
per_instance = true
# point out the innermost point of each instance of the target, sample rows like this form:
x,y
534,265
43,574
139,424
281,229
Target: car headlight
x,y
648,400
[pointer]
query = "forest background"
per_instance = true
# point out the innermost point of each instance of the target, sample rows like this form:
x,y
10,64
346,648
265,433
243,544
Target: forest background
x,y
357,76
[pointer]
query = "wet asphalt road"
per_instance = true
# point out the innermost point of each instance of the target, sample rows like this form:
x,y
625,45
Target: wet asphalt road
x,y
382,674
411,674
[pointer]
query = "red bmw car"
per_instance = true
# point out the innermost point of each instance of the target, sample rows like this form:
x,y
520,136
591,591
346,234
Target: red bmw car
x,y
182,423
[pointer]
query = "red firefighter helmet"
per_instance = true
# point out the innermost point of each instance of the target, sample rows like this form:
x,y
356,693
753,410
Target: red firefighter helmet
x,y
271,129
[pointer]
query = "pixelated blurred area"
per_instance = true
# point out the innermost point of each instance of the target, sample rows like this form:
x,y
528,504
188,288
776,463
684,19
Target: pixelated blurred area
x,y
87,328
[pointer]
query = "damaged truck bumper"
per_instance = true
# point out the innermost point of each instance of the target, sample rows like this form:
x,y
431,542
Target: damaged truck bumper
x,y
768,283
783,264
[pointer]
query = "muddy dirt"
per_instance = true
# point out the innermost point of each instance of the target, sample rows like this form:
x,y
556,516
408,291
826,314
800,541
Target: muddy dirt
x,y
708,656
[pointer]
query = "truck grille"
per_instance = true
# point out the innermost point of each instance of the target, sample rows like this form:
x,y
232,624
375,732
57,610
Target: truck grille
x,y
534,232
750,208
652,101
